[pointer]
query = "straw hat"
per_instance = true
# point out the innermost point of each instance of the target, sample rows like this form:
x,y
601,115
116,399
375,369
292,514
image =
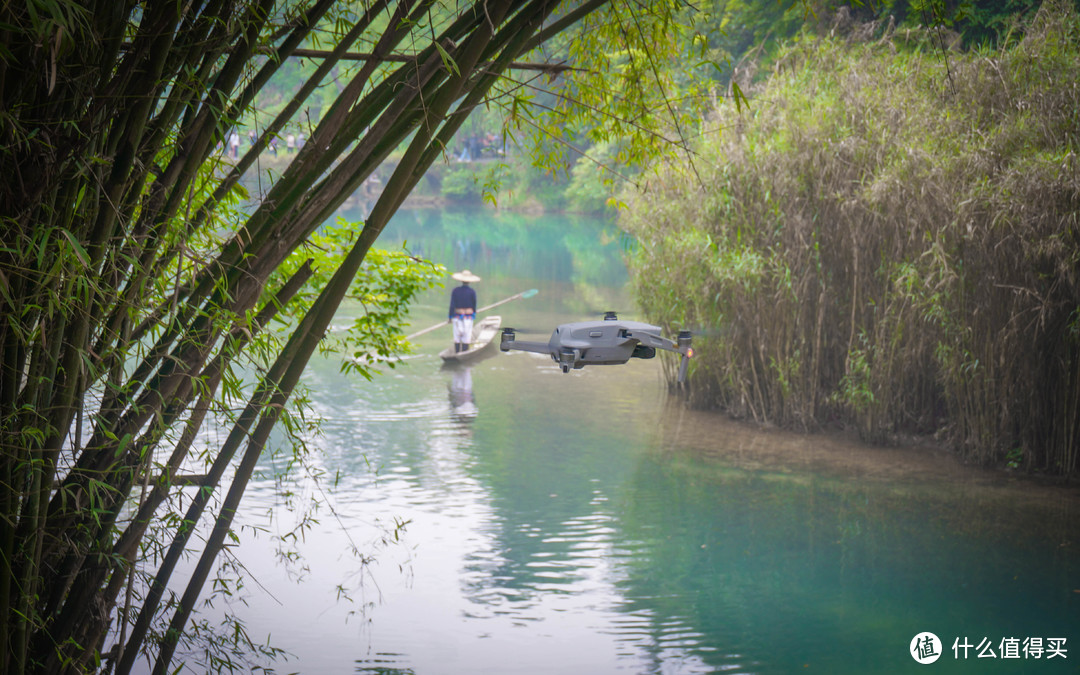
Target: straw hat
x,y
465,276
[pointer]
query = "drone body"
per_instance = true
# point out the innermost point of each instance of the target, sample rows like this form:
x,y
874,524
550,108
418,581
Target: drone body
x,y
597,343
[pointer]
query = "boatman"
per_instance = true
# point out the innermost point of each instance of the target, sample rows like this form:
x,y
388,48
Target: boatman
x,y
463,309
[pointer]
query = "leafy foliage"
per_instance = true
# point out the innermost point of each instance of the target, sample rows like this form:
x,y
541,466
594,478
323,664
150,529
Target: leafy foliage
x,y
379,295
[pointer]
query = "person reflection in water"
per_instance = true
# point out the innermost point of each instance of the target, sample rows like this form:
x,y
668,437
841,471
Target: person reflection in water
x,y
463,309
462,404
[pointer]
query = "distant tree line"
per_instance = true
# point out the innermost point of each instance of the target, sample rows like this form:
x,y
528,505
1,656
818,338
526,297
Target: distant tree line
x,y
728,45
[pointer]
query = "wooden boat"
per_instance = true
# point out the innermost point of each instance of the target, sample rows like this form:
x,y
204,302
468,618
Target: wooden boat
x,y
483,337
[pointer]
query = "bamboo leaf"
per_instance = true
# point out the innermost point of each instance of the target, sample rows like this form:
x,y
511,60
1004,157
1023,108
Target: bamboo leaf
x,y
740,98
447,60
80,252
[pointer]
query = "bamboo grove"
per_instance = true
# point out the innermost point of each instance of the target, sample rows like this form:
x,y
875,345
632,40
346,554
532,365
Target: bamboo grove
x,y
889,240
131,284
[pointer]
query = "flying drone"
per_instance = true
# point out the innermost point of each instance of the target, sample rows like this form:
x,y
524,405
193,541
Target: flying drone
x,y
602,343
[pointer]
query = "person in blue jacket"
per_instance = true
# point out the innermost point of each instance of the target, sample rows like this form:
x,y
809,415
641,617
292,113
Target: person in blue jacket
x,y
463,309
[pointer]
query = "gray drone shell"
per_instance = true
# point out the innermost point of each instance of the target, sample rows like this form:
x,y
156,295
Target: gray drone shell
x,y
600,342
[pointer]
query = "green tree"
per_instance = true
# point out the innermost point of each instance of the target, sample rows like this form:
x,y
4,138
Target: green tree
x,y
132,287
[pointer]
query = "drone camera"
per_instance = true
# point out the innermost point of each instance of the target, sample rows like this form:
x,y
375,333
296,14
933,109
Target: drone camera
x,y
567,358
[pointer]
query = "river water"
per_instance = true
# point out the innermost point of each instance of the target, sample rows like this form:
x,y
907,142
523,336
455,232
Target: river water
x,y
510,518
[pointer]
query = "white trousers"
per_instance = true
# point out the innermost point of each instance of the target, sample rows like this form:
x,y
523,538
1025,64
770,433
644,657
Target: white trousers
x,y
462,324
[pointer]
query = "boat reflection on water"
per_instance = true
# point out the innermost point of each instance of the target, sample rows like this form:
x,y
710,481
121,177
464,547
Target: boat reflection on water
x,y
462,404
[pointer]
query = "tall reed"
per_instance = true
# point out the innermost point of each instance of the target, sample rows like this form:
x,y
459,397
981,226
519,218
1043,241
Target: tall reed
x,y
889,238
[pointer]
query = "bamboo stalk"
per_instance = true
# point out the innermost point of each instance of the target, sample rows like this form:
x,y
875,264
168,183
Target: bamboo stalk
x,y
548,68
304,340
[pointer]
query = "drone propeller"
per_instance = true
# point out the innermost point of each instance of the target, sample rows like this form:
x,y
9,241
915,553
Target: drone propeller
x,y
526,329
710,330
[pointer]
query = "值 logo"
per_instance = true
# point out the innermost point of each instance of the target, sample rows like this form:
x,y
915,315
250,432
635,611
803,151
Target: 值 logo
x,y
925,648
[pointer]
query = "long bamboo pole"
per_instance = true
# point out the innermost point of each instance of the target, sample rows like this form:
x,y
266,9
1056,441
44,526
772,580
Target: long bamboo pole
x,y
524,294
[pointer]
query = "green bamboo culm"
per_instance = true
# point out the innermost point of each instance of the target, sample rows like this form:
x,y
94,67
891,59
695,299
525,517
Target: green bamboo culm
x,y
139,278
887,239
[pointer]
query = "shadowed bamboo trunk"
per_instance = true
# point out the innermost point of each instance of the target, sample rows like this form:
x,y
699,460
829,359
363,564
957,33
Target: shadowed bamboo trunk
x,y
127,294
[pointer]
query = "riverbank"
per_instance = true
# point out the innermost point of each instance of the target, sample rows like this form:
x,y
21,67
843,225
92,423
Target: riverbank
x,y
916,460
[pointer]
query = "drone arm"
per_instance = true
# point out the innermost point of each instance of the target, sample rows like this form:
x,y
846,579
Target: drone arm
x,y
685,362
526,346
509,342
679,346
651,340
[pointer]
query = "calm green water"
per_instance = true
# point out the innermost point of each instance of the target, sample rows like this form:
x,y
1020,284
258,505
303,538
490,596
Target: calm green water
x,y
588,523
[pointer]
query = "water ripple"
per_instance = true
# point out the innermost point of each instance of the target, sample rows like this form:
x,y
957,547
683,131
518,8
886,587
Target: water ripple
x,y
384,664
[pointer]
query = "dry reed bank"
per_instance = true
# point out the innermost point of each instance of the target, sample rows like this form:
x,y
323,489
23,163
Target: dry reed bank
x,y
889,238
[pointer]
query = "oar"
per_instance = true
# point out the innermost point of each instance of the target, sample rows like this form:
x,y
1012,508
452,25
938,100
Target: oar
x,y
524,294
